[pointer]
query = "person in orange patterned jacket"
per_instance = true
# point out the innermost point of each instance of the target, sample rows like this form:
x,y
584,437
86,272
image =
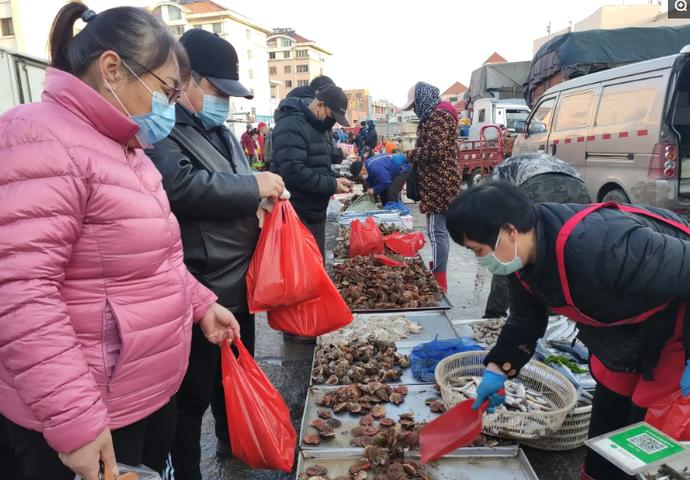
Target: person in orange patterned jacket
x,y
435,157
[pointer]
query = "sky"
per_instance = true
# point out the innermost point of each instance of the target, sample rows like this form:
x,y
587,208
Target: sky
x,y
387,46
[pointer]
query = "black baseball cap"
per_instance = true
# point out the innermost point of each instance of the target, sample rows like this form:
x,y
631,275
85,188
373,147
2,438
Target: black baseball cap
x,y
216,60
322,81
335,99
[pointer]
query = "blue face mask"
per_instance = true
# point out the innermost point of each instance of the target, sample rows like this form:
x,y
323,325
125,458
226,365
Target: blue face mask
x,y
497,267
158,123
155,125
215,111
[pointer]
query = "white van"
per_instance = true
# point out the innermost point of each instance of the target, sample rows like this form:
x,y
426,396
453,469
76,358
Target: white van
x,y
489,111
626,130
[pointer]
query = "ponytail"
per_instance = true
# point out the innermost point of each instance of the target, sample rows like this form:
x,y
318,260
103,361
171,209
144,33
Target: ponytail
x,y
62,34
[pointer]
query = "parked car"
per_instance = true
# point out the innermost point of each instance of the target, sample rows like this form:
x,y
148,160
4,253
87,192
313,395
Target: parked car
x,y
626,130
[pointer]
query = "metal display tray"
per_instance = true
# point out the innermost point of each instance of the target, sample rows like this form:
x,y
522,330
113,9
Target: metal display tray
x,y
443,304
458,465
414,403
434,323
379,217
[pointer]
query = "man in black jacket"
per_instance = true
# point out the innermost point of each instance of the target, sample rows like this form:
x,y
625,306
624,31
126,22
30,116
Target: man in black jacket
x,y
308,93
215,196
621,272
302,155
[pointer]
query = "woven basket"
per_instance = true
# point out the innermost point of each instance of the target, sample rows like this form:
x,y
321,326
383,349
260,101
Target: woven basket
x,y
509,424
572,434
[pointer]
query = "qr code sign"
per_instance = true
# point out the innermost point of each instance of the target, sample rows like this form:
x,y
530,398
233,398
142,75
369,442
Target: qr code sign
x,y
647,443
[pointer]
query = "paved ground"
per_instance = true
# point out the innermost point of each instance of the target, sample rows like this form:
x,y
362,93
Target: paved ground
x,y
288,365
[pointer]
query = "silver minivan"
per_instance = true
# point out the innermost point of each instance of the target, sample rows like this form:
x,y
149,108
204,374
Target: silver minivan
x,y
626,130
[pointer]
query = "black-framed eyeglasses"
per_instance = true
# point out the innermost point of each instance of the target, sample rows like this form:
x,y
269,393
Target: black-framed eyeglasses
x,y
172,93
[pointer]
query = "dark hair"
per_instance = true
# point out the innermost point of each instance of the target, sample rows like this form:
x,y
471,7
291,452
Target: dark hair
x,y
481,212
320,82
356,168
133,33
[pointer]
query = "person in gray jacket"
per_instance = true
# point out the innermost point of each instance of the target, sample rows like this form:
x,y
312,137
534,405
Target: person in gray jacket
x,y
215,196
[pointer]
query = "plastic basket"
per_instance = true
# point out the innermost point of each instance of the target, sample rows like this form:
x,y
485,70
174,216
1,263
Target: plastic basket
x,y
572,434
509,424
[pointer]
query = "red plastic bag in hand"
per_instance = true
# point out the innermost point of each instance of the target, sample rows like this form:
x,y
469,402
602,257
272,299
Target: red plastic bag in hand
x,y
310,319
671,415
285,267
261,432
365,238
405,244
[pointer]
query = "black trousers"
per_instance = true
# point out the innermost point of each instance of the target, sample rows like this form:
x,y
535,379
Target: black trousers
x,y
202,385
392,193
610,411
318,229
25,455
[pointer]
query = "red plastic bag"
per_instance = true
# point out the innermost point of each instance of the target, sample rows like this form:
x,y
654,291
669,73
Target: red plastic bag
x,y
671,415
310,319
387,261
285,267
365,238
405,244
261,432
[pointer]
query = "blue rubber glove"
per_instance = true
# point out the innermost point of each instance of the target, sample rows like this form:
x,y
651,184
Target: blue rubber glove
x,y
491,383
685,381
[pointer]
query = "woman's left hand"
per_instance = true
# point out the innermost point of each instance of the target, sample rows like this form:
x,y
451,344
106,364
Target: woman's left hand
x,y
685,380
219,324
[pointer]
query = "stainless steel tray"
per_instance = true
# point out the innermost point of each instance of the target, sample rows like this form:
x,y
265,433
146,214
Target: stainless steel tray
x,y
443,304
434,323
414,403
455,466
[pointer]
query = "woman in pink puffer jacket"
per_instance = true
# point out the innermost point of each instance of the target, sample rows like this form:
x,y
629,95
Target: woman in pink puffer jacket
x,y
96,305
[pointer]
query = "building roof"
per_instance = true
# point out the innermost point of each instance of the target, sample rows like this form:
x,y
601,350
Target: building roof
x,y
204,7
457,87
495,58
289,32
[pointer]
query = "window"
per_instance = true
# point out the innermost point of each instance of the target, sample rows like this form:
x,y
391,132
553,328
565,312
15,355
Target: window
x,y
158,13
288,83
249,54
271,55
251,74
453,99
302,53
176,30
302,83
573,111
482,116
302,68
285,42
543,115
217,27
6,27
249,34
272,71
626,103
272,43
287,69
253,109
286,54
174,13
514,116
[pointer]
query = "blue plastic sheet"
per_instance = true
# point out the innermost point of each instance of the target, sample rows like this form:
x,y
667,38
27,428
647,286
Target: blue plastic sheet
x,y
397,207
425,356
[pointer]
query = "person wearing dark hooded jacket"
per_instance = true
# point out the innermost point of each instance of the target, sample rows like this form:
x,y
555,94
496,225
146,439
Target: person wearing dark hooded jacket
x,y
308,93
435,158
301,155
621,272
372,138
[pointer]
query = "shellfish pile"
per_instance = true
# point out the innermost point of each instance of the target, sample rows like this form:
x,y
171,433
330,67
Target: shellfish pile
x,y
375,464
365,284
487,331
389,329
358,361
363,398
518,397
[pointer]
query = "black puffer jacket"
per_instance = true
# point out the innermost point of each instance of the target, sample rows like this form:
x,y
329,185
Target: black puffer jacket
x,y
214,195
619,265
301,155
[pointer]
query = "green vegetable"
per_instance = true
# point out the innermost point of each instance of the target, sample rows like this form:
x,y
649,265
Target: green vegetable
x,y
568,363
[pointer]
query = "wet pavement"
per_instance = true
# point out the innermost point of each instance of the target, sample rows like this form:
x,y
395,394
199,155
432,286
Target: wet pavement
x,y
287,365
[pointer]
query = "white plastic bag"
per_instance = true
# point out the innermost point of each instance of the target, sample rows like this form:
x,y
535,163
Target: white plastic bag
x,y
333,210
